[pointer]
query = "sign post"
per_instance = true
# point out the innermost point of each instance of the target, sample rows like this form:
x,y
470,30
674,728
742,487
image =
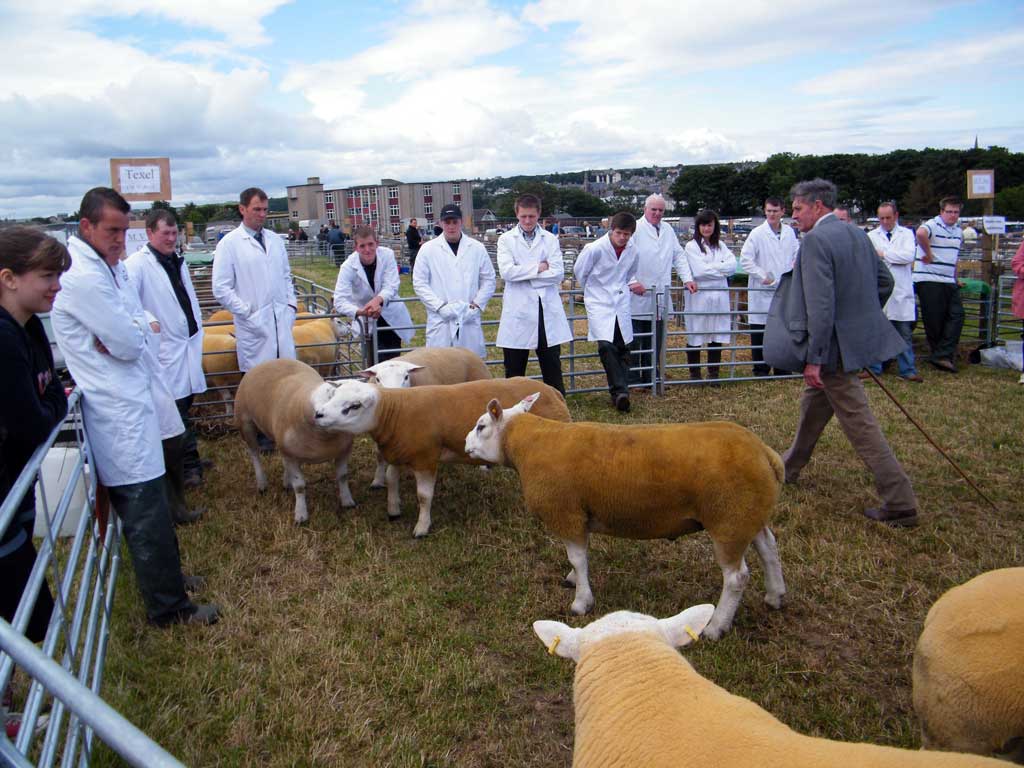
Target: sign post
x,y
981,185
141,179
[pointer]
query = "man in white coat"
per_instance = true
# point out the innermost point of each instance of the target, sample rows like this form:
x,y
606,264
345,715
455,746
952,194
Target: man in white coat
x,y
454,278
606,270
102,331
658,250
252,280
767,254
532,314
896,246
366,289
166,292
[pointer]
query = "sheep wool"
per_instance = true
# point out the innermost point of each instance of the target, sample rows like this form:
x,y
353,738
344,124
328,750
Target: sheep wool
x,y
969,667
638,702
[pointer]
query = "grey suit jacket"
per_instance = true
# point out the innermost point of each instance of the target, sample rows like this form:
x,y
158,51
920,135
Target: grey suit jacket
x,y
829,311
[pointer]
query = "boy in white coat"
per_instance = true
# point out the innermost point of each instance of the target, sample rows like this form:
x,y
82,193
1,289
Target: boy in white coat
x,y
532,314
606,270
367,287
165,290
454,279
103,333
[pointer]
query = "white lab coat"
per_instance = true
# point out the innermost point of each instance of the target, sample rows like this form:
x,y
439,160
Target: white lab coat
x,y
898,254
526,289
180,357
658,252
765,252
710,270
446,284
605,281
353,291
256,287
96,303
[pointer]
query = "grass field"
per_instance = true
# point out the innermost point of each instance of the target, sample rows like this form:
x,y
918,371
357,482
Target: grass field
x,y
346,642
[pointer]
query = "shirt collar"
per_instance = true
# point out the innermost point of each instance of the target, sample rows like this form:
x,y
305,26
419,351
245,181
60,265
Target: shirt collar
x,y
822,219
250,232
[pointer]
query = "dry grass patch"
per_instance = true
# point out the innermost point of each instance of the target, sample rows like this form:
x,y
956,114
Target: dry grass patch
x,y
346,642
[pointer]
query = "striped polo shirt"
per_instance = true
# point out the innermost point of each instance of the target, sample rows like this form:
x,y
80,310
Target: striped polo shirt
x,y
945,242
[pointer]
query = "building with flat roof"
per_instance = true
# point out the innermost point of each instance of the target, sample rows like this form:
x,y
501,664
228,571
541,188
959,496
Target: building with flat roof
x,y
306,201
388,206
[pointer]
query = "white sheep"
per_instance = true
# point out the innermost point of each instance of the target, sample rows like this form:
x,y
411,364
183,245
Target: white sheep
x,y
969,668
280,398
423,367
638,702
424,426
656,481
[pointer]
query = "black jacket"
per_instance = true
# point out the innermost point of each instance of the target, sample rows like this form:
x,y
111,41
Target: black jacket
x,y
32,401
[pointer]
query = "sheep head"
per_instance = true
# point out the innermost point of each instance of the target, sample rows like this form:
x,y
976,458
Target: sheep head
x,y
568,642
347,406
392,374
484,441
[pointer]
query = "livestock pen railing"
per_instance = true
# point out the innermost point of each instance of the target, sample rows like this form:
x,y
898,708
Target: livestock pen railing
x,y
65,674
986,308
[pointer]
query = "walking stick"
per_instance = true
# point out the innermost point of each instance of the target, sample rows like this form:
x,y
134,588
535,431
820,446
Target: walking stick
x,y
935,445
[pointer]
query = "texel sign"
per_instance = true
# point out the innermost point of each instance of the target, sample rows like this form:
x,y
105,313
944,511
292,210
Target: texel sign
x,y
141,178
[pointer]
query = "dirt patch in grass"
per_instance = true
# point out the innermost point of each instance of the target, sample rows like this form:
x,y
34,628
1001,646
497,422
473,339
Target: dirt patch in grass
x,y
346,642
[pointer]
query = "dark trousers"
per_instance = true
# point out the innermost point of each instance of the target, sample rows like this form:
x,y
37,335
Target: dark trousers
x,y
757,351
15,569
548,357
149,534
174,477
641,350
843,396
942,314
714,360
388,343
615,359
190,446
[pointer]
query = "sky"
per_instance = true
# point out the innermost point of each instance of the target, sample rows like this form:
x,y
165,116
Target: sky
x,y
265,93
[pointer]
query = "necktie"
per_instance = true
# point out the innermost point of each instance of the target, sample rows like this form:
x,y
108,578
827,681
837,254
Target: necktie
x,y
888,235
259,238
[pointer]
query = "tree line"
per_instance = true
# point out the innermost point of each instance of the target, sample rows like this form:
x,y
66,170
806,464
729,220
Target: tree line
x,y
915,179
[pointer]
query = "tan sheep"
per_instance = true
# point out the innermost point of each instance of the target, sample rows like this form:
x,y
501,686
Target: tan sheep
x,y
220,364
424,426
639,703
279,398
969,668
424,367
316,343
656,481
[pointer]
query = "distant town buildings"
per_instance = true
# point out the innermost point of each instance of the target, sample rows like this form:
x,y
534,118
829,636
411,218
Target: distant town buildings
x,y
387,207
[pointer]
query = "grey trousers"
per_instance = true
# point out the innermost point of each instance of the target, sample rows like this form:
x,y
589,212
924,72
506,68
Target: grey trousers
x,y
844,396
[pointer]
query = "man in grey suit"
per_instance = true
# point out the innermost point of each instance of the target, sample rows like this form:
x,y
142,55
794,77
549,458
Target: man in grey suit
x,y
827,320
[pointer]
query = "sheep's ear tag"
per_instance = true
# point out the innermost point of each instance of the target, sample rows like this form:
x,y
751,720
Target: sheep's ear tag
x,y
528,401
494,408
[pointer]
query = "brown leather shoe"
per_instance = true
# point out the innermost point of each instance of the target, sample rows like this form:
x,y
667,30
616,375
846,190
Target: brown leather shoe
x,y
622,402
904,518
944,364
916,378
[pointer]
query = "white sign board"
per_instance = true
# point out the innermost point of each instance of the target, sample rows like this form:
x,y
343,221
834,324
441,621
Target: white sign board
x,y
134,239
994,225
981,185
139,179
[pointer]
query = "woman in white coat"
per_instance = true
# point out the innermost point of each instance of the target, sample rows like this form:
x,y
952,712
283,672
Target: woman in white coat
x,y
374,302
454,279
532,314
707,312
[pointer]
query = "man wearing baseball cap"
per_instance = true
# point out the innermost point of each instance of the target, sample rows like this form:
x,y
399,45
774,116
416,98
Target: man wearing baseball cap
x,y
454,278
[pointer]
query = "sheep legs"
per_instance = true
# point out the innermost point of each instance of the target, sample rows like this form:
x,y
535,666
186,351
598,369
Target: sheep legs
x,y
768,552
293,470
425,480
394,501
380,476
577,554
248,432
341,478
735,575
